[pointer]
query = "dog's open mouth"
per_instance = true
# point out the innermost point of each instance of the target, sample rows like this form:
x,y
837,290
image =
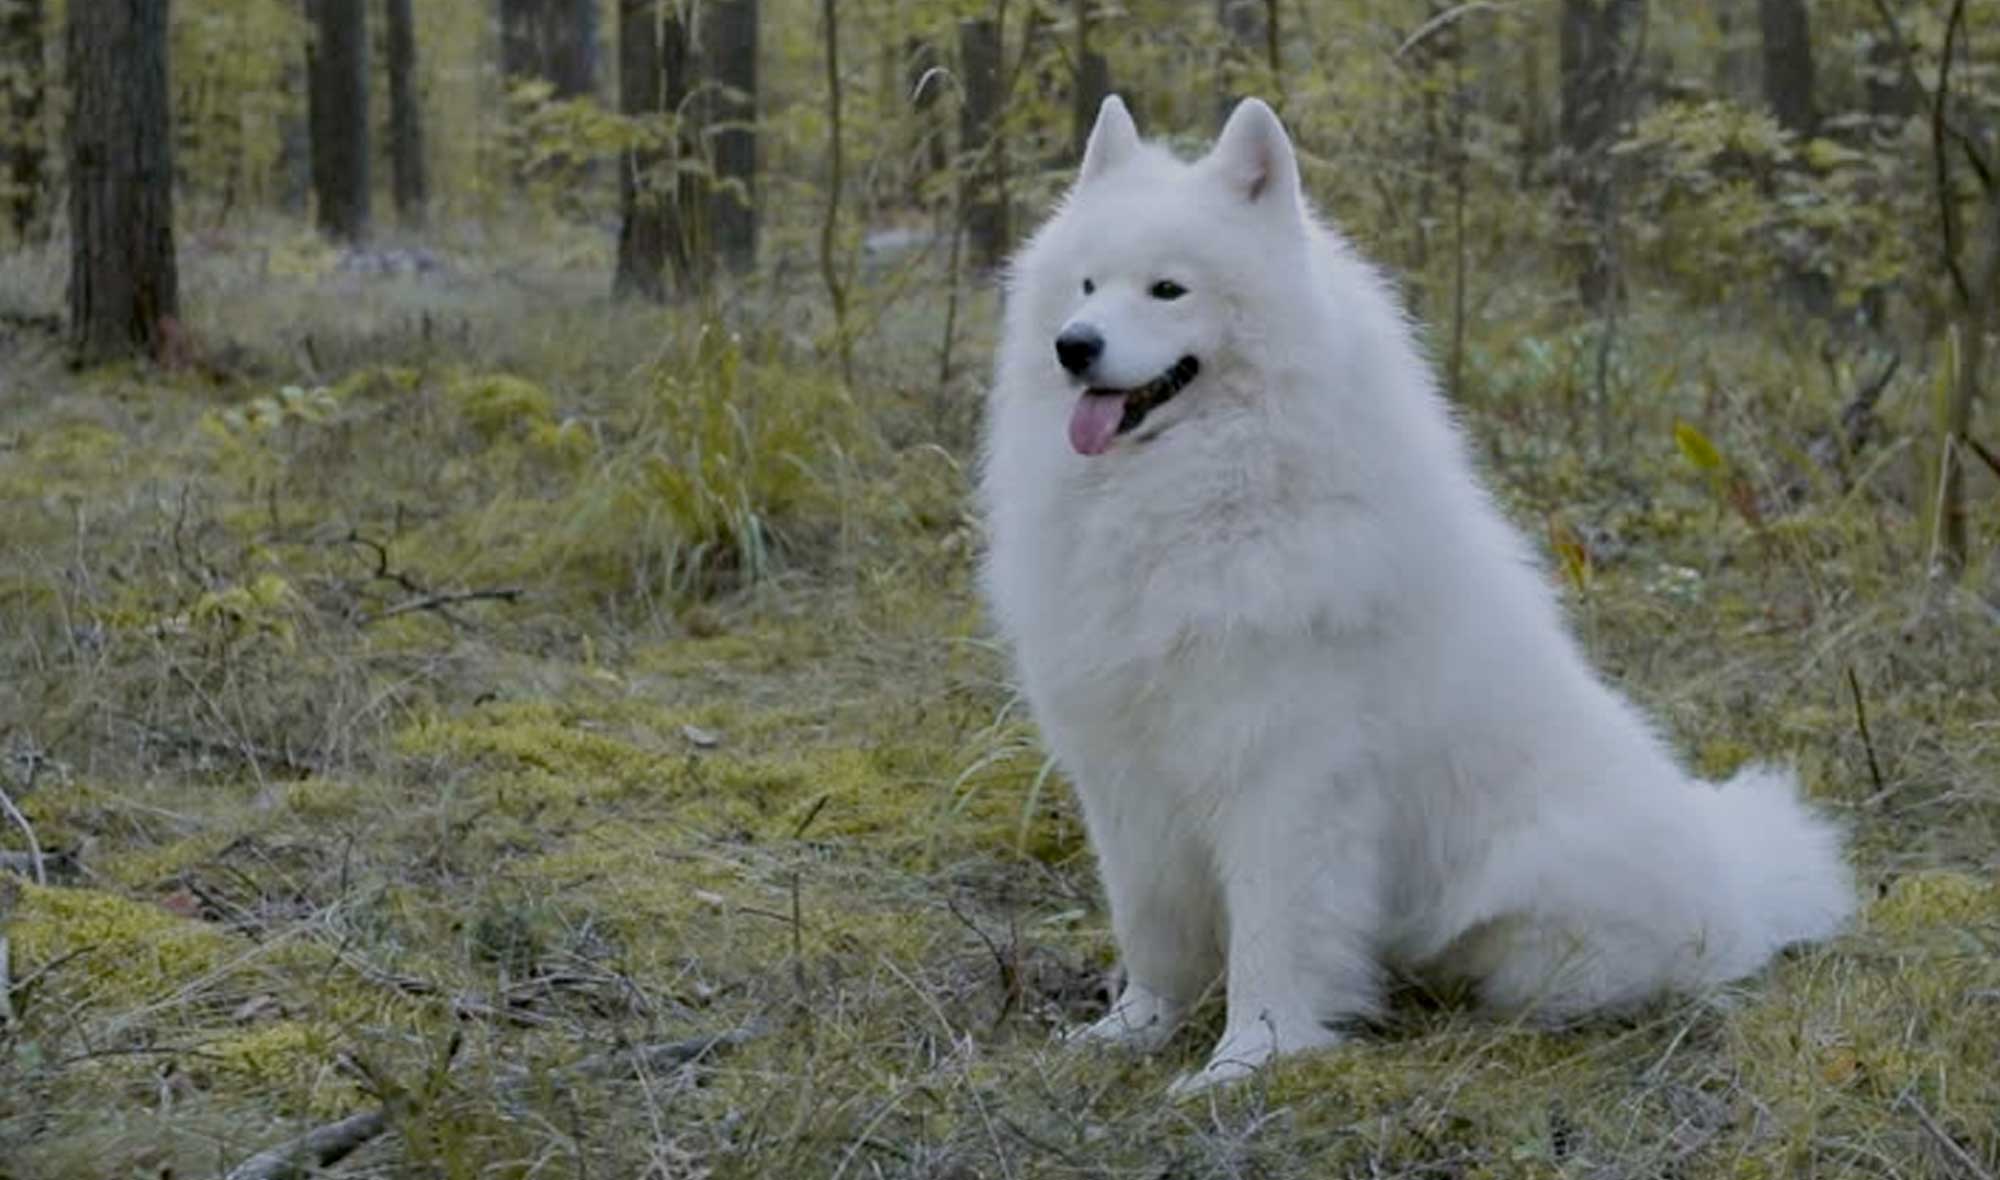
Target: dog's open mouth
x,y
1101,415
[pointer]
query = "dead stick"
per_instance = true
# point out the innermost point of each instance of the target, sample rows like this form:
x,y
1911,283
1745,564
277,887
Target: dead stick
x,y
325,1146
439,601
1861,722
1952,1147
1987,457
27,832
320,1147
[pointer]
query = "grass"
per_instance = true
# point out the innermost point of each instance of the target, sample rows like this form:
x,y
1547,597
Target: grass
x,y
538,678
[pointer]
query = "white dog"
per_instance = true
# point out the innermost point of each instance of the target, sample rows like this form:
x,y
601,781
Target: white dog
x,y
1318,701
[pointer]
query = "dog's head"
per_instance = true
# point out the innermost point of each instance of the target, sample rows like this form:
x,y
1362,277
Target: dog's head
x,y
1154,271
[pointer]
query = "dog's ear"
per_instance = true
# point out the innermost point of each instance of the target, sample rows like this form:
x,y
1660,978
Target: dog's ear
x,y
1253,155
1112,140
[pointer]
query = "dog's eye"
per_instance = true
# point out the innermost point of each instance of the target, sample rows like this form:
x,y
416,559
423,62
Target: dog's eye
x,y
1168,289
1088,286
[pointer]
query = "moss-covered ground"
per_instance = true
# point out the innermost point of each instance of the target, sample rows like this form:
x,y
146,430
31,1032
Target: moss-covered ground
x,y
435,685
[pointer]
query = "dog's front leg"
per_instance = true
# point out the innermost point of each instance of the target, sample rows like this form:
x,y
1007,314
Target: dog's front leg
x,y
1163,912
1301,902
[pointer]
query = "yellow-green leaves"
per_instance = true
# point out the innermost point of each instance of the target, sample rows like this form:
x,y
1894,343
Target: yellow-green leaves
x,y
1695,445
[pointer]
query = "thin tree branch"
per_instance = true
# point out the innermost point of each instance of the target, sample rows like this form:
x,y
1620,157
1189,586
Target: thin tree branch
x,y
41,874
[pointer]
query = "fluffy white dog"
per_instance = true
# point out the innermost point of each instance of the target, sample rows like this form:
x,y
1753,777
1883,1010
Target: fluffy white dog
x,y
1317,699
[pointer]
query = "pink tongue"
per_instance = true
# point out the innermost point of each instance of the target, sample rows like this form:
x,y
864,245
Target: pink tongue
x,y
1094,422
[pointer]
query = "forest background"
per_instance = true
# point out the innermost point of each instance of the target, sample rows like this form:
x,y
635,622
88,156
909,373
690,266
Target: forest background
x,y
491,682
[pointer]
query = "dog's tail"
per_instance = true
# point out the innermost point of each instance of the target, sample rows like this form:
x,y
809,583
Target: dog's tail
x,y
1784,859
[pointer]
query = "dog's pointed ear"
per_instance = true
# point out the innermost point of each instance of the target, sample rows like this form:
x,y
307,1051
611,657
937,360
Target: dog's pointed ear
x,y
1112,140
1254,156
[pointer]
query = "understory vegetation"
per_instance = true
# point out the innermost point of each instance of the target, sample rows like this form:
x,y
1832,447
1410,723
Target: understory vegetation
x,y
416,716
519,732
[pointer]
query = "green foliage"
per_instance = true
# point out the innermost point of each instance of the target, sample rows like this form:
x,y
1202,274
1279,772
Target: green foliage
x,y
1729,204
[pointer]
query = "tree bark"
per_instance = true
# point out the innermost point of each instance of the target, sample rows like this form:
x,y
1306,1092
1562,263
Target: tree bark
x,y
25,145
1093,80
553,40
124,284
642,192
406,125
338,113
979,141
1595,49
732,67
1244,36
1788,64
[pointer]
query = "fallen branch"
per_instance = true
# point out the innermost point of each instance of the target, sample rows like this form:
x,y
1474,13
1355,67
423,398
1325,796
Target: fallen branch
x,y
440,601
1987,457
320,1147
327,1145
1951,1146
40,873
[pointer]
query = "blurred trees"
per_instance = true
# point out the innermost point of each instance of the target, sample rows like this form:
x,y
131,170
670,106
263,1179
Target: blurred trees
x,y
553,40
410,179
337,69
1827,164
22,143
124,287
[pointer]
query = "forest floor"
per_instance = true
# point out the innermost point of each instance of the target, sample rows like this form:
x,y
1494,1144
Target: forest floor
x,y
570,731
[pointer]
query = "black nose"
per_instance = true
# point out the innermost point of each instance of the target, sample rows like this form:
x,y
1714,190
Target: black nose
x,y
1078,347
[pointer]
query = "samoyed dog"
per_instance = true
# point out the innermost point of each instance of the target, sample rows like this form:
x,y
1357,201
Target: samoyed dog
x,y
1320,705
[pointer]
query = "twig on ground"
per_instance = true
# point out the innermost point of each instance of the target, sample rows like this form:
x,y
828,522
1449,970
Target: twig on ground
x,y
1861,723
439,601
41,874
1986,456
320,1147
325,1146
1952,1147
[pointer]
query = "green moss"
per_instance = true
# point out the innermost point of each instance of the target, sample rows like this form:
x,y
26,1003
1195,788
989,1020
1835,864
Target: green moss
x,y
125,952
498,404
1937,902
290,1063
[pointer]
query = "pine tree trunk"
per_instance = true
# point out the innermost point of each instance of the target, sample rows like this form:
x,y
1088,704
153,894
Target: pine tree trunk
x,y
979,142
732,62
24,144
1595,38
406,125
338,113
124,285
1093,80
642,191
552,40
1788,64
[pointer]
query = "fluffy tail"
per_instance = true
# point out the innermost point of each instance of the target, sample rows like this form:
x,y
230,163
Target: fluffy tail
x,y
1791,880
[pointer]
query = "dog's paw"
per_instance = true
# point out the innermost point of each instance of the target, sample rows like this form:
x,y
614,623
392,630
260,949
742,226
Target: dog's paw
x,y
1244,1051
1140,1022
1218,1072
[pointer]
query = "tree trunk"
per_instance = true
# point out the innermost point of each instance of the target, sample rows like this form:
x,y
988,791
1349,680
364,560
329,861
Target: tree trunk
x,y
553,40
123,284
732,67
930,149
1596,66
1788,64
338,114
979,141
25,144
406,124
1244,34
1093,80
642,183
